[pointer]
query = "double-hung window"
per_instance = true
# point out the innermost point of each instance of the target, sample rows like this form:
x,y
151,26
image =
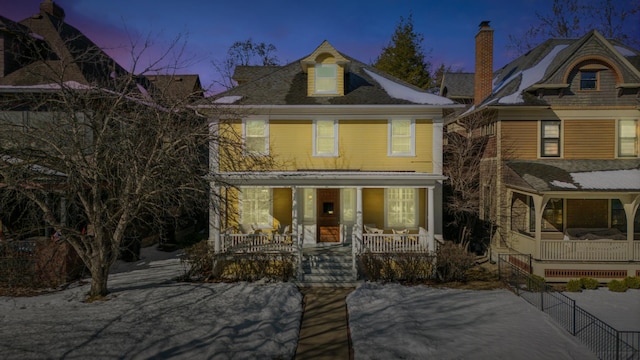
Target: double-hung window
x,y
401,207
256,206
401,137
256,136
550,139
628,138
588,80
326,81
325,138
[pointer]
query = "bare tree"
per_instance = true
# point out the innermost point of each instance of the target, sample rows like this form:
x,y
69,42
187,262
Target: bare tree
x,y
244,53
93,158
573,18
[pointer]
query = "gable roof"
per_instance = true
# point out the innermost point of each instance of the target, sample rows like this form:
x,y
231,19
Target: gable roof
x,y
545,66
364,85
70,55
457,85
177,87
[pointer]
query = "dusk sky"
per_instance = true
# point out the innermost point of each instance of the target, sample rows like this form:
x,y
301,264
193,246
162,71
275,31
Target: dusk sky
x,y
359,29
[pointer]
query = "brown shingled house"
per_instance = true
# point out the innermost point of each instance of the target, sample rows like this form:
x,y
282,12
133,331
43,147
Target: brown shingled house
x,y
561,175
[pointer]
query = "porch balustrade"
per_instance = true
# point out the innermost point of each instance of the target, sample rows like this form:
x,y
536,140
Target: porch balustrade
x,y
588,250
388,243
258,243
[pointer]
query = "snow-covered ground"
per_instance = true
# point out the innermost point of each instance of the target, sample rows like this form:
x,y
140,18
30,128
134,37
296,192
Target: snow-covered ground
x,y
618,309
150,315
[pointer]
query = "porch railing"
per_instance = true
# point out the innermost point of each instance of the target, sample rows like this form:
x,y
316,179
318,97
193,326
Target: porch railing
x,y
587,250
258,243
636,250
387,243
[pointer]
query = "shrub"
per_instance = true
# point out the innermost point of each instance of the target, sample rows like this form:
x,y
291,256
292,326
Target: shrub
x,y
402,267
198,261
589,283
255,266
536,283
617,286
574,285
452,262
632,282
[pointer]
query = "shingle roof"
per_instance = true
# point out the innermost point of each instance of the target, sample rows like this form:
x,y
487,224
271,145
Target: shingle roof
x,y
287,85
574,175
177,87
457,85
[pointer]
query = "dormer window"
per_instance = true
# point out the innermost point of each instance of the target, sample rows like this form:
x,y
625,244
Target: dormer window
x,y
588,80
326,81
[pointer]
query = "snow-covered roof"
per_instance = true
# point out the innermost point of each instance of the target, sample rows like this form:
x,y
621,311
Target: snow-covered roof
x,y
400,91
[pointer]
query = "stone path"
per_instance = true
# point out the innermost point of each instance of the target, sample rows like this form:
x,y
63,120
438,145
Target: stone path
x,y
324,332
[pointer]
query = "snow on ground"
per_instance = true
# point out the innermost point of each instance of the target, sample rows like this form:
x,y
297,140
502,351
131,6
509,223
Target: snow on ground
x,y
149,315
618,309
399,322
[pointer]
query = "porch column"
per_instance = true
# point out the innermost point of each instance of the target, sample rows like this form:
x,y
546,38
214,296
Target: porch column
x,y
357,233
430,220
214,218
630,208
294,213
538,204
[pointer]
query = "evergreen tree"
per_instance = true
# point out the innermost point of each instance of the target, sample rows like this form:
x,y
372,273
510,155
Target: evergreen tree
x,y
404,57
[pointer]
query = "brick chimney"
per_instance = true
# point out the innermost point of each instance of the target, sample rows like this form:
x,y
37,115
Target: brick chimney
x,y
483,78
51,8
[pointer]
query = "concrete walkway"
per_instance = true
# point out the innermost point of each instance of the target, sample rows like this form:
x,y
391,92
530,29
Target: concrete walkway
x,y
324,332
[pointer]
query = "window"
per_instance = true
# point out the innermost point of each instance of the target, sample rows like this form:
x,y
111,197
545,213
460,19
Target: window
x,y
401,208
588,80
256,207
628,138
552,218
401,138
550,139
618,216
309,205
326,81
348,201
256,137
325,138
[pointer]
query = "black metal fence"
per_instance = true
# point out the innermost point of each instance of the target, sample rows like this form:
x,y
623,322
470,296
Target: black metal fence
x,y
605,341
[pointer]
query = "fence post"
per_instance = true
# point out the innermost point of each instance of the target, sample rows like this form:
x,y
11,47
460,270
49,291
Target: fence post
x,y
574,317
542,299
617,345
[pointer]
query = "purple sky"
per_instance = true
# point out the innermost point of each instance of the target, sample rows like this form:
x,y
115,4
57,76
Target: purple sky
x,y
357,28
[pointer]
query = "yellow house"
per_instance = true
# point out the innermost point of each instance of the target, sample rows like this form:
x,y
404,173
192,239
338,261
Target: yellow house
x,y
358,152
561,172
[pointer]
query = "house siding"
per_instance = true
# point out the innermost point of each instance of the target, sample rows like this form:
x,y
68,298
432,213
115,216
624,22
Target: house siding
x,y
589,139
520,139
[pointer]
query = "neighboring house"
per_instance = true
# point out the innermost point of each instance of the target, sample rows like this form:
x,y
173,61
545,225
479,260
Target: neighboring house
x,y
356,151
561,171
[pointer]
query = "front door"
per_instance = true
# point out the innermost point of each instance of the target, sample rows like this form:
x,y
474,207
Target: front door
x,y
328,215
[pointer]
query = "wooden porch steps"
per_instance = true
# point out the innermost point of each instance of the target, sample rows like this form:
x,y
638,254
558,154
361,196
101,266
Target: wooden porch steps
x,y
328,266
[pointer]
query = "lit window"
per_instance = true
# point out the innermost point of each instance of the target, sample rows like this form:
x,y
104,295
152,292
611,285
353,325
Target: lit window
x,y
588,80
256,207
550,139
256,137
628,138
551,216
326,79
401,138
325,138
401,208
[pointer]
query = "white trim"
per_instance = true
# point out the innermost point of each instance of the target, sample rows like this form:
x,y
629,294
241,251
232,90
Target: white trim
x,y
241,205
335,138
265,122
412,135
637,144
416,203
335,79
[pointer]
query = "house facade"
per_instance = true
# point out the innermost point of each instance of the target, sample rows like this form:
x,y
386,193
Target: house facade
x,y
560,175
356,154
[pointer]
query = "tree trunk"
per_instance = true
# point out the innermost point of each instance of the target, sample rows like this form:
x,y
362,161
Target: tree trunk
x,y
99,276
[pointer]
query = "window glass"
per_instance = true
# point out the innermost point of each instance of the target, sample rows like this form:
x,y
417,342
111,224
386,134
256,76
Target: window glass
x,y
550,138
348,205
588,80
325,139
551,216
618,217
256,206
326,79
309,205
255,137
401,208
628,138
401,138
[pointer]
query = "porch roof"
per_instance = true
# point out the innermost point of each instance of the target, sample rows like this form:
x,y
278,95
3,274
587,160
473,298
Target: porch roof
x,y
574,175
331,178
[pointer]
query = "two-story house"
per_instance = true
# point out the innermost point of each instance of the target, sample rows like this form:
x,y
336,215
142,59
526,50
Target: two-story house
x,y
561,170
355,151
